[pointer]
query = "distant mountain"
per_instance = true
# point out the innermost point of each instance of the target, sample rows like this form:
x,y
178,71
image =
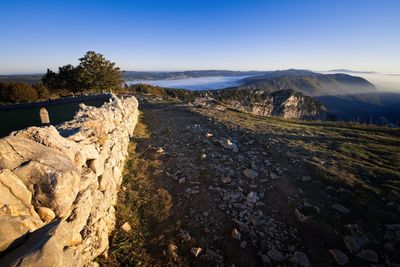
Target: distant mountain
x,y
21,78
142,75
161,75
347,97
352,71
311,83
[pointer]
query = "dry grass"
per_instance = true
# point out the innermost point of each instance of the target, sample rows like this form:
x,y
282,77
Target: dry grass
x,y
363,160
142,205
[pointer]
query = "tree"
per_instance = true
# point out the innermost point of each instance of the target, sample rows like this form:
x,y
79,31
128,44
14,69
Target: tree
x,y
17,92
50,80
69,78
42,90
94,73
98,73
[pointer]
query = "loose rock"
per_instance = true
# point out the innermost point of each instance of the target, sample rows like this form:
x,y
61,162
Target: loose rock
x,y
250,173
126,227
265,259
341,209
225,180
196,251
339,256
299,216
351,244
229,145
276,255
236,234
368,255
273,176
46,214
252,197
302,259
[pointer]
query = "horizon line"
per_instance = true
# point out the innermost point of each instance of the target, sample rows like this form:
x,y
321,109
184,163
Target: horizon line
x,y
338,70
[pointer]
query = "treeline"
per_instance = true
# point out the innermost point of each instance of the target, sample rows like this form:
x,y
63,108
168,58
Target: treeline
x,y
22,92
94,74
182,94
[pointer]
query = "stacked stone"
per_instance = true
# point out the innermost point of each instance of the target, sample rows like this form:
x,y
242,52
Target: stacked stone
x,y
59,185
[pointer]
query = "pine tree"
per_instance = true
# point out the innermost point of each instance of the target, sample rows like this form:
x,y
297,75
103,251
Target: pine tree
x,y
97,73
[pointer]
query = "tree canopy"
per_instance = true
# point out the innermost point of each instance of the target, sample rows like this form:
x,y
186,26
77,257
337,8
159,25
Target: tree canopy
x,y
94,73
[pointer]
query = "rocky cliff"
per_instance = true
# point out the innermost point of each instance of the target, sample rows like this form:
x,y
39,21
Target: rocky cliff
x,y
288,103
58,186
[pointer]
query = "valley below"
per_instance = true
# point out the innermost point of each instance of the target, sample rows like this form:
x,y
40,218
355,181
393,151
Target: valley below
x,y
195,83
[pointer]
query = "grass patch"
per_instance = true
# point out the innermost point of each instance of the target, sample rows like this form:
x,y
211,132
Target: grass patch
x,y
142,205
360,162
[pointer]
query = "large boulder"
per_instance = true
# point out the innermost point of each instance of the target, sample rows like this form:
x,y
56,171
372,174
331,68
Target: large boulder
x,y
49,174
50,137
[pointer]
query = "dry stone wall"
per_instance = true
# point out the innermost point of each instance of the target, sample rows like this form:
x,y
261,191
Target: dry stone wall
x,y
59,185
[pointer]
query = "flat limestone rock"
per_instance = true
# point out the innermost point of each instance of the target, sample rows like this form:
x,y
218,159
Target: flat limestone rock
x,y
46,171
41,248
17,215
50,137
14,195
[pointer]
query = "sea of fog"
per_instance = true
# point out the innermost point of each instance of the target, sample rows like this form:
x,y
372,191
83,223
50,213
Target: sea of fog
x,y
384,82
200,83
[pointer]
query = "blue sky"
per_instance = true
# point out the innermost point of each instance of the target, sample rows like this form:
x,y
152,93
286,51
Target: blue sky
x,y
202,34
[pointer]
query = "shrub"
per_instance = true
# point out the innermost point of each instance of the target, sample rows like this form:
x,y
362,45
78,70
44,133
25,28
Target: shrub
x,y
17,92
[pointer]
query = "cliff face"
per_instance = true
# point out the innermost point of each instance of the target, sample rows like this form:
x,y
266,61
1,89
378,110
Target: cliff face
x,y
58,186
283,103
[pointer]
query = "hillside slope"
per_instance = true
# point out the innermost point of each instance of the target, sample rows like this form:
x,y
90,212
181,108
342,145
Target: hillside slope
x,y
314,84
347,97
281,103
234,188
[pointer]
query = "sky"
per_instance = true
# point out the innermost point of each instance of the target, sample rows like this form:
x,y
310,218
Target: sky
x,y
172,35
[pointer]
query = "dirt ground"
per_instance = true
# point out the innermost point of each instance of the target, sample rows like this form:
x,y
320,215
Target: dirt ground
x,y
198,174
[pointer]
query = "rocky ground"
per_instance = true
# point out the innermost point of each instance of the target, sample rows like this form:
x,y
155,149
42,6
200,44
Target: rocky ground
x,y
207,186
